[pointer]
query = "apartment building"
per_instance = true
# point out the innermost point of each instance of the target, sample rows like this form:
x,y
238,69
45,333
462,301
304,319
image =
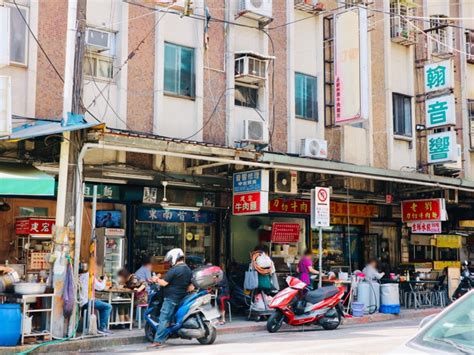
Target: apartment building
x,y
191,92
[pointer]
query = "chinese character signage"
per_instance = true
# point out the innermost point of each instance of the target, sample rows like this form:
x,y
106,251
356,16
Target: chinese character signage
x,y
248,181
250,192
280,205
150,194
34,225
355,210
442,147
425,227
320,215
250,203
438,76
424,210
440,111
104,192
449,241
151,214
285,233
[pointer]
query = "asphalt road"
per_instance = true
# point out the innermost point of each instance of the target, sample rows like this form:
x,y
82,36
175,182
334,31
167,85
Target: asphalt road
x,y
373,338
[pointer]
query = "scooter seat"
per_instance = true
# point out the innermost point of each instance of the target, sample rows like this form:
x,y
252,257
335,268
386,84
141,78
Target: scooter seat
x,y
320,294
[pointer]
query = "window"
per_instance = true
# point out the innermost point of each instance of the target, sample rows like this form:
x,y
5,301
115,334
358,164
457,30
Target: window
x,y
98,66
440,35
402,115
18,35
470,46
401,28
179,70
306,103
246,96
470,114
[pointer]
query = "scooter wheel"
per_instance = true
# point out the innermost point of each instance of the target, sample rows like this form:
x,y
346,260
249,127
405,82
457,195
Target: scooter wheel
x,y
150,332
331,325
211,334
275,321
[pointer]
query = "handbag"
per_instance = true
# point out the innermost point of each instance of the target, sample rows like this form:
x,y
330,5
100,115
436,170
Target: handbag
x,y
251,279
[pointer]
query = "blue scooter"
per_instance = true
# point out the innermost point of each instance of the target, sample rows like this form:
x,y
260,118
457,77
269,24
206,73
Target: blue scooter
x,y
193,318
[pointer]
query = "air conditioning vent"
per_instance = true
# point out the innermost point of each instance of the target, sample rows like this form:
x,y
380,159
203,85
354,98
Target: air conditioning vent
x,y
255,131
98,40
285,181
256,8
314,148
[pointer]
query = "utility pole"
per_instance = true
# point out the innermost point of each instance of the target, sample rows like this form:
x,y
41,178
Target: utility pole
x,y
70,146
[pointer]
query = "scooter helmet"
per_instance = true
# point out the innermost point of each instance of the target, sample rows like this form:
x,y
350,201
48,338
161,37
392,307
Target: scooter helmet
x,y
173,255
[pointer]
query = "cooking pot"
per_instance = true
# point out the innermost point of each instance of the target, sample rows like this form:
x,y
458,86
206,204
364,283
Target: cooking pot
x,y
29,288
7,281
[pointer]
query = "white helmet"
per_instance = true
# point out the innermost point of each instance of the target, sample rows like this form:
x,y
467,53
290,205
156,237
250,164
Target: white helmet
x,y
173,255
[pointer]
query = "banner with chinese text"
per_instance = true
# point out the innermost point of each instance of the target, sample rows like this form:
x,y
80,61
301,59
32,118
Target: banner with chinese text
x,y
424,210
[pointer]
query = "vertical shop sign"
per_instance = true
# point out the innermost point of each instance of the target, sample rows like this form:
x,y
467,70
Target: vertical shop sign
x,y
440,111
250,192
438,76
442,147
351,66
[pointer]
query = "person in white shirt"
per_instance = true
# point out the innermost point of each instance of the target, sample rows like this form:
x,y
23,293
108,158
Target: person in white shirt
x,y
370,271
102,307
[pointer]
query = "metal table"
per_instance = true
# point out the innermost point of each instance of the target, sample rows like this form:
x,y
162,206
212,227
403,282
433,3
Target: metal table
x,y
120,300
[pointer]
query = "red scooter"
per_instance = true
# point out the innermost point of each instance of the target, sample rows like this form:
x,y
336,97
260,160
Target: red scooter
x,y
299,305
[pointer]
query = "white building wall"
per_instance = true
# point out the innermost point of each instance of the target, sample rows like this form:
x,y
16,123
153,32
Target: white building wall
x,y
23,78
177,116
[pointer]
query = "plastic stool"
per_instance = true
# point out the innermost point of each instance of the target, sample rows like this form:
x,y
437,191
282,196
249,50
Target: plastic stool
x,y
229,310
139,313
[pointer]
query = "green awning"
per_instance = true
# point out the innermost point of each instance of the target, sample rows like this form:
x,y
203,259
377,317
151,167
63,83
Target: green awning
x,y
25,180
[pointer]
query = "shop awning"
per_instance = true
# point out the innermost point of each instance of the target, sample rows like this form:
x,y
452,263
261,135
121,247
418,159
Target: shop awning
x,y
26,128
24,180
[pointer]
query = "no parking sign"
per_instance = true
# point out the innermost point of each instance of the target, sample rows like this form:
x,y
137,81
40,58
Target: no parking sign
x,y
320,211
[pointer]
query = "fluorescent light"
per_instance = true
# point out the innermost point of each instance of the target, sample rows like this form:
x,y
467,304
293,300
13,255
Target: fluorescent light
x,y
181,183
129,176
167,206
106,181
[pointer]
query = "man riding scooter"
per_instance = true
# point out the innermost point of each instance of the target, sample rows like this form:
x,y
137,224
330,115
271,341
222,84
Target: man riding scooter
x,y
176,284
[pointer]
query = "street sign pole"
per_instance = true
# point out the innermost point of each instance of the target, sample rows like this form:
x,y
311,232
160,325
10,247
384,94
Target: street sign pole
x,y
320,248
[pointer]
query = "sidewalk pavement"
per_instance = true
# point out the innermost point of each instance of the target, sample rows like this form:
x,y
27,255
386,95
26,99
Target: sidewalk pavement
x,y
238,325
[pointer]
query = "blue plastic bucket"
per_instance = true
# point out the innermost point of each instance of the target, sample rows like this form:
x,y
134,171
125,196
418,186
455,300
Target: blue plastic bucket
x,y
390,308
358,309
10,315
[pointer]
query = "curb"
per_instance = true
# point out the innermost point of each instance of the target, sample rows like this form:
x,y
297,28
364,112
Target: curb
x,y
100,342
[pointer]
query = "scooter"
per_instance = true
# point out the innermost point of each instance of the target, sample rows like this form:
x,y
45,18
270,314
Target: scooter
x,y
299,305
193,319
467,281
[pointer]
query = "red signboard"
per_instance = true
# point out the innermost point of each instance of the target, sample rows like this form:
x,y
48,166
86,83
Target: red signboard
x,y
281,205
34,225
355,210
250,203
423,210
285,232
426,227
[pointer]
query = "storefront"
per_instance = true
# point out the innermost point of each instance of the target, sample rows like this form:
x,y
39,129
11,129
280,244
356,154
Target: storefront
x,y
158,230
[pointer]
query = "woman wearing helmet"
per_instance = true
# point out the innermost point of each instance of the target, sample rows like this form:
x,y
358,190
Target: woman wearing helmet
x,y
176,285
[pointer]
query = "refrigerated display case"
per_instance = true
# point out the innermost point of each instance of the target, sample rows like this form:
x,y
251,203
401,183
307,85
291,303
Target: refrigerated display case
x,y
110,251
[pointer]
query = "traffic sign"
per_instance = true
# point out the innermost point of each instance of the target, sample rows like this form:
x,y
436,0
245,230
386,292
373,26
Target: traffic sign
x,y
320,207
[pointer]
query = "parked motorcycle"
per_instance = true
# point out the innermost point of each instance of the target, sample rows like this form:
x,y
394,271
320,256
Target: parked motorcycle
x,y
195,316
467,281
299,305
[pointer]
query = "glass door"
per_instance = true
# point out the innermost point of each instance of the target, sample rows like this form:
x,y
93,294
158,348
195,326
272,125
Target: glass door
x,y
199,239
113,260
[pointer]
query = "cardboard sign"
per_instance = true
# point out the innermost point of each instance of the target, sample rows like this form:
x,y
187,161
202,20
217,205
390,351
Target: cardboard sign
x,y
285,232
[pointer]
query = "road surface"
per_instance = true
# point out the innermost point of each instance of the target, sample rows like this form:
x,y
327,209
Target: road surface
x,y
373,338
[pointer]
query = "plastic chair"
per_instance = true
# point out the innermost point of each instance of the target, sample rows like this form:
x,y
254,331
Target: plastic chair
x,y
229,310
140,308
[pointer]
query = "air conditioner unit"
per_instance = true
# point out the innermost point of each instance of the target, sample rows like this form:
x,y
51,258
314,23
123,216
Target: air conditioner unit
x,y
470,46
98,40
314,148
260,8
255,132
250,69
285,181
